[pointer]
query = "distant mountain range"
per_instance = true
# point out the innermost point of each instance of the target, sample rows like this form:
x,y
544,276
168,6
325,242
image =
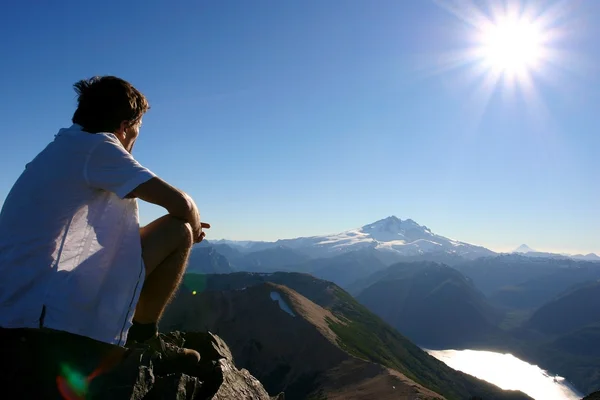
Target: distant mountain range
x,y
528,251
537,278
391,236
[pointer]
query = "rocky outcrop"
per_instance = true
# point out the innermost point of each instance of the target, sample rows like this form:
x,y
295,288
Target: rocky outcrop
x,y
56,365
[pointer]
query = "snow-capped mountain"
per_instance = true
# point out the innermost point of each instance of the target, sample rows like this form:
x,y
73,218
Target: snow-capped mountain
x,y
402,237
392,237
524,249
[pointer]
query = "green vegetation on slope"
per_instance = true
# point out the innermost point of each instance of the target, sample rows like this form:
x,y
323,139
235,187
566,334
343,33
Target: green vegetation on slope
x,y
366,336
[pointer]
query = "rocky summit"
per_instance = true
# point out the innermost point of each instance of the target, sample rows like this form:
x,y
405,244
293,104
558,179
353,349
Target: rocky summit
x,y
57,365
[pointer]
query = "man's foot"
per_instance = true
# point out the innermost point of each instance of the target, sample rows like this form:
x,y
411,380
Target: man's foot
x,y
172,357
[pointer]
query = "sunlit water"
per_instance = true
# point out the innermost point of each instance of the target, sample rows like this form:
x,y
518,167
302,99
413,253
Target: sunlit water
x,y
509,373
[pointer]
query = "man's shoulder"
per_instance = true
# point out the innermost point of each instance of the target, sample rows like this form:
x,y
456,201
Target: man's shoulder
x,y
77,134
83,143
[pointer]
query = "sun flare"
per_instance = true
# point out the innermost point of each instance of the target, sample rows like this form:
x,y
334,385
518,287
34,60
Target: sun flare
x,y
512,46
509,47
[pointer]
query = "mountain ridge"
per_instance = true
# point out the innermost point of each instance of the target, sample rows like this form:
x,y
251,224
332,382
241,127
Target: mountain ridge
x,y
277,338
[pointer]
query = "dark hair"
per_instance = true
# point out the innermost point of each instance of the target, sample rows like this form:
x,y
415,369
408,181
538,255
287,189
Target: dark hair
x,y
104,102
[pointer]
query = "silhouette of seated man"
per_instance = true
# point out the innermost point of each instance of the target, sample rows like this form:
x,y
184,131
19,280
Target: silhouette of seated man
x,y
72,255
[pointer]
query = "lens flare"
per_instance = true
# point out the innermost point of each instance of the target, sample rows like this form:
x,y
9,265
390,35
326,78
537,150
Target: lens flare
x,y
74,385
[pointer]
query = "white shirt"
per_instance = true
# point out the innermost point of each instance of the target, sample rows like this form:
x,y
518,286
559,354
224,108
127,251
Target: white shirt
x,y
70,251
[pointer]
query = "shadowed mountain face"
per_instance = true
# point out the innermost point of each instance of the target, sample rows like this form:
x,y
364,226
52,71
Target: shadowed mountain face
x,y
535,292
569,312
231,253
307,337
432,304
582,341
206,260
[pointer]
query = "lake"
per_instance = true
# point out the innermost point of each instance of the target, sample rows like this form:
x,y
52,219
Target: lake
x,y
508,372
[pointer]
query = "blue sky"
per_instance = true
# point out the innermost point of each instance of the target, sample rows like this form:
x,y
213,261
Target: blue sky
x,y
287,119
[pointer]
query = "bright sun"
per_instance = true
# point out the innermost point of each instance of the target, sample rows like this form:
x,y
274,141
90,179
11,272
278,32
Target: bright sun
x,y
508,43
511,46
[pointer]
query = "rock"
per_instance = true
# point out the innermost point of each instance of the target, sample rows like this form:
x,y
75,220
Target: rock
x,y
593,396
58,365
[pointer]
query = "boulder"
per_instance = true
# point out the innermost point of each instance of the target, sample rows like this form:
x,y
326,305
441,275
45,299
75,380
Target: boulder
x,y
42,363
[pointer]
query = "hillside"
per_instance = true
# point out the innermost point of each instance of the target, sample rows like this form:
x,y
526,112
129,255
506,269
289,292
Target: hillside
x,y
432,304
569,312
580,342
307,337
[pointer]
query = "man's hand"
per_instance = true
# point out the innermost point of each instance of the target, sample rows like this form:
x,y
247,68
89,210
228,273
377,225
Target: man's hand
x,y
199,238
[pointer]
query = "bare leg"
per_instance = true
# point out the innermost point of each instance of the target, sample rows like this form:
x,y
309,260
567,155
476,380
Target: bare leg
x,y
166,244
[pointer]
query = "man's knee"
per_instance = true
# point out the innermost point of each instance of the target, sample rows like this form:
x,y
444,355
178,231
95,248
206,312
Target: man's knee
x,y
184,232
162,237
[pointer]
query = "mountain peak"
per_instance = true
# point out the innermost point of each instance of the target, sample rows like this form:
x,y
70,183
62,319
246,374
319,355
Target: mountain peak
x,y
390,222
390,219
393,229
524,249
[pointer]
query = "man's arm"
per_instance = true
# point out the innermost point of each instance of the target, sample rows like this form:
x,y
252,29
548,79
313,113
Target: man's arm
x,y
176,202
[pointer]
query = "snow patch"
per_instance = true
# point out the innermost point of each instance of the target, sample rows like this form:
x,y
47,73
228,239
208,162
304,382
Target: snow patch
x,y
275,296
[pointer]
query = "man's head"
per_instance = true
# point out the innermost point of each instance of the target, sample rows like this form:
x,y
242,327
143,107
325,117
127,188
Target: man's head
x,y
110,104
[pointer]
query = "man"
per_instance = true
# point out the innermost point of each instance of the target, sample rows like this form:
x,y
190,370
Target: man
x,y
72,255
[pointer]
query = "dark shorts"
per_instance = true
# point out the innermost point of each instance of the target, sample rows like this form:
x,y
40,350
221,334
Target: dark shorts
x,y
49,364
